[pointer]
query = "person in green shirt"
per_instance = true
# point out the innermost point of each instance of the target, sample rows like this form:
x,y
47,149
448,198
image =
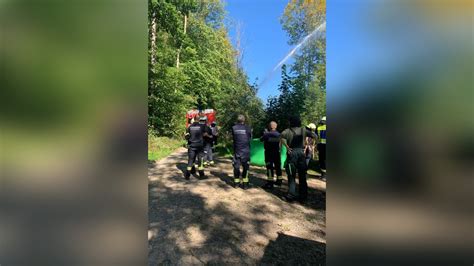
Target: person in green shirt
x,y
294,140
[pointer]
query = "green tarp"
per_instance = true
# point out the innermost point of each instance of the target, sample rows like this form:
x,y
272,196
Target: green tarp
x,y
257,153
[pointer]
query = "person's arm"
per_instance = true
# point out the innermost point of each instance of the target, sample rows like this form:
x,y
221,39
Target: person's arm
x,y
315,140
187,135
204,131
279,145
284,142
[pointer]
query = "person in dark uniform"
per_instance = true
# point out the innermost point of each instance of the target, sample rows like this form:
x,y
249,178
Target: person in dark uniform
x,y
195,135
271,144
241,134
294,140
215,133
322,147
208,160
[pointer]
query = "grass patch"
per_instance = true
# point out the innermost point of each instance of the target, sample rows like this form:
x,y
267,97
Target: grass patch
x,y
160,147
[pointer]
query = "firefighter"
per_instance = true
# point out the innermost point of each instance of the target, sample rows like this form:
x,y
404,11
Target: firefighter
x,y
207,142
241,134
215,133
309,148
195,135
322,147
294,140
272,146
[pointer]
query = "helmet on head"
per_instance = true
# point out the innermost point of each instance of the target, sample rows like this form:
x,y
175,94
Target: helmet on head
x,y
312,126
323,119
203,118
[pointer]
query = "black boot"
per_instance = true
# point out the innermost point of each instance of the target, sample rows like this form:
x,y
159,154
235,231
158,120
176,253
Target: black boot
x,y
201,174
279,182
187,174
245,186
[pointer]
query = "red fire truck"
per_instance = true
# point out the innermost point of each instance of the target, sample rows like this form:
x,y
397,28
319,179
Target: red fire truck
x,y
193,115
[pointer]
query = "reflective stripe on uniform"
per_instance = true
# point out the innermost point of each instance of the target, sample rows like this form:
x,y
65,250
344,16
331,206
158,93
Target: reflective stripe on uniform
x,y
246,178
189,168
279,177
236,180
322,134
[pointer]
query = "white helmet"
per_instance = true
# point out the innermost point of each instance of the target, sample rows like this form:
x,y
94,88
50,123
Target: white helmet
x,y
323,119
312,126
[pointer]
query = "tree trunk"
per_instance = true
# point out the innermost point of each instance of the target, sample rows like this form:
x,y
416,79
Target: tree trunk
x,y
153,38
181,46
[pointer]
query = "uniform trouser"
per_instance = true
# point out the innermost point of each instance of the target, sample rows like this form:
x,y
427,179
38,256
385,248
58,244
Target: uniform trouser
x,y
208,152
296,163
241,160
309,156
273,163
322,156
195,156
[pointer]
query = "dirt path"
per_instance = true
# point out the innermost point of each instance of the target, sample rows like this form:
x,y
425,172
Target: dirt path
x,y
207,221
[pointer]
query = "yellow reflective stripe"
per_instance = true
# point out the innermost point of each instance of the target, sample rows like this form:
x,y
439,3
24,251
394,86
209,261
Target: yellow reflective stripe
x,y
322,141
280,177
189,168
323,170
236,180
201,168
246,178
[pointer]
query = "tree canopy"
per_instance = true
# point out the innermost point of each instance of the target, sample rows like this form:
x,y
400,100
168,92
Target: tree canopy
x,y
193,65
303,86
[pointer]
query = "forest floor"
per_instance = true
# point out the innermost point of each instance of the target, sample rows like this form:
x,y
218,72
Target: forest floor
x,y
207,221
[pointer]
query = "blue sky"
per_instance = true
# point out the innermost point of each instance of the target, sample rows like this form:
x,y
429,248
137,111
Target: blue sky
x,y
264,41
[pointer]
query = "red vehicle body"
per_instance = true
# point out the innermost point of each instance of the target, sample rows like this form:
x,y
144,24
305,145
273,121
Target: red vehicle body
x,y
194,114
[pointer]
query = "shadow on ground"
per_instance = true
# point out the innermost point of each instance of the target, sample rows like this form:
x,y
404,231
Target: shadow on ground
x,y
316,198
186,228
290,250
186,231
257,176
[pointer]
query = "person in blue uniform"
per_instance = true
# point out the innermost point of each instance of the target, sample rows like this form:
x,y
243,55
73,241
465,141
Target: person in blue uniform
x,y
241,135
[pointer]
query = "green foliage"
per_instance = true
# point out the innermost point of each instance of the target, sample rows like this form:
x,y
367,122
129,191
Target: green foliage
x,y
160,147
208,75
303,89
